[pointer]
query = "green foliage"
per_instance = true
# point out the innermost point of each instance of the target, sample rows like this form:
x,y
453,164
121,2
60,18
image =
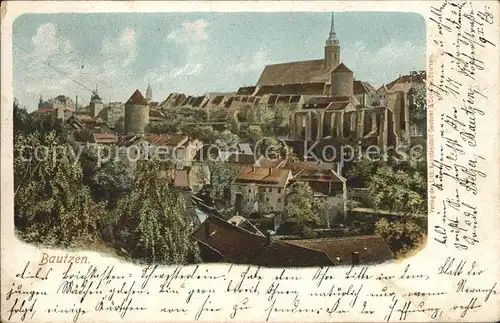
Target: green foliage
x,y
166,127
418,104
201,133
223,139
52,205
401,235
219,114
112,180
281,120
303,207
221,176
151,222
253,133
399,189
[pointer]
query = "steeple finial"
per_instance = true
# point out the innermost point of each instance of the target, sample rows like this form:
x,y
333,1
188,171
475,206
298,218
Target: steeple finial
x,y
332,37
332,26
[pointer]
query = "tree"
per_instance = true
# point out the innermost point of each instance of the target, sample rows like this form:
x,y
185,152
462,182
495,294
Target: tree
x,y
418,105
281,120
273,148
219,114
221,176
401,235
52,205
224,139
254,133
151,222
360,171
166,127
201,133
399,190
302,206
112,180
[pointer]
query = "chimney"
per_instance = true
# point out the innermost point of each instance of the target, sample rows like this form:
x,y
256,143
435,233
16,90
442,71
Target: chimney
x,y
207,229
269,236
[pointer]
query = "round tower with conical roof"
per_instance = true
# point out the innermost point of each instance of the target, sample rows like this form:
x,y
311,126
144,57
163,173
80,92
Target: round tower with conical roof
x,y
136,113
342,82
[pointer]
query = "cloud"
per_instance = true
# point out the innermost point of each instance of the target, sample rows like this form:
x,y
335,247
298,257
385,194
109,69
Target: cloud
x,y
382,65
51,66
120,51
190,32
190,40
188,69
252,64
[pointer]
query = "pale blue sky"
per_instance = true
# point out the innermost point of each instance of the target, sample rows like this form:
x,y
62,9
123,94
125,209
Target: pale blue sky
x,y
196,53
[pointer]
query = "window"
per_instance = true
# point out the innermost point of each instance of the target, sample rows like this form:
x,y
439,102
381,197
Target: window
x,y
279,200
270,190
279,190
267,199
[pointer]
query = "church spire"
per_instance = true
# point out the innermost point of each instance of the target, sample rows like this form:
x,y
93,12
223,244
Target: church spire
x,y
332,37
149,92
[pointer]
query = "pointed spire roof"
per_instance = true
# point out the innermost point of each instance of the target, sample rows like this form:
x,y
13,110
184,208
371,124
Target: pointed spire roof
x,y
137,98
332,37
342,68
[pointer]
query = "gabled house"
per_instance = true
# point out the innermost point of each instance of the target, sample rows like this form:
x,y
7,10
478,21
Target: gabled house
x,y
260,189
327,185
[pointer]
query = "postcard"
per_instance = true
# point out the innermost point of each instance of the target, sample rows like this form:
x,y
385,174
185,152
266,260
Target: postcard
x,y
248,161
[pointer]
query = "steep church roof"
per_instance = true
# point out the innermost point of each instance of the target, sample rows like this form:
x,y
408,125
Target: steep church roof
x,y
294,72
137,99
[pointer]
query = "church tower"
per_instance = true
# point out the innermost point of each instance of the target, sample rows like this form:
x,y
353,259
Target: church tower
x,y
149,93
96,104
332,48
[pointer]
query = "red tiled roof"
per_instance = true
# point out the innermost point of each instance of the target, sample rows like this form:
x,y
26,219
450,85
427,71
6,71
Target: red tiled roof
x,y
105,138
46,110
294,72
263,176
242,159
342,68
165,140
371,249
297,166
313,175
137,98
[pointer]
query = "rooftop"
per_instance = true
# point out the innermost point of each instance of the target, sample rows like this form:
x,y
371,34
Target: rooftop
x,y
342,68
263,176
294,72
371,249
137,99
